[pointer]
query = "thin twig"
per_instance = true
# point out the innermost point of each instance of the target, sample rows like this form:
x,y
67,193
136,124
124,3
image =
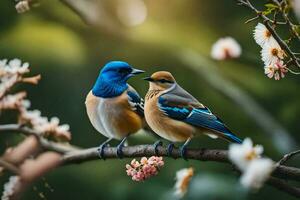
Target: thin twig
x,y
9,166
46,144
282,6
292,71
288,156
252,19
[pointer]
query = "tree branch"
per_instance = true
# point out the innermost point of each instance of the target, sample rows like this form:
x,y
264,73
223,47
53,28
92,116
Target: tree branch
x,y
72,155
80,156
75,155
216,155
46,144
283,186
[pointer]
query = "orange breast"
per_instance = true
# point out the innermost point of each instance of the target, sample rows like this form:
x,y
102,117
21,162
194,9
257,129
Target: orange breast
x,y
113,117
125,121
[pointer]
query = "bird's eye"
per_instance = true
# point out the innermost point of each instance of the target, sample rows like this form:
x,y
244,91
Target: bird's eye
x,y
123,70
164,81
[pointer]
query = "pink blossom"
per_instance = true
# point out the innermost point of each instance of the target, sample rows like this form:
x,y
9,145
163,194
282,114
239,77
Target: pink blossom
x,y
146,168
276,70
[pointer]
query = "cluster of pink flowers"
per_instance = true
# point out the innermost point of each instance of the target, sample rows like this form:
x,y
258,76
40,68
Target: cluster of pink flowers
x,y
277,70
146,168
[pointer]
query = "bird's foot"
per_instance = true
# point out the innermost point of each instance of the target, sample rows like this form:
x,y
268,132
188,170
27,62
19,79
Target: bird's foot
x,y
156,145
183,149
102,147
170,148
101,151
120,148
183,152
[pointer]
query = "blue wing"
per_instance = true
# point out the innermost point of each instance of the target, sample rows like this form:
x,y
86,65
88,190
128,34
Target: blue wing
x,y
204,118
135,101
189,110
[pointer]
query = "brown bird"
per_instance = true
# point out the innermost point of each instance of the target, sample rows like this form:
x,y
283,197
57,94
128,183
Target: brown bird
x,y
175,115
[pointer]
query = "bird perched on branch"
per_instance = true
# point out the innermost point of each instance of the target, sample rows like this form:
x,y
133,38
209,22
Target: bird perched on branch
x,y
177,116
114,108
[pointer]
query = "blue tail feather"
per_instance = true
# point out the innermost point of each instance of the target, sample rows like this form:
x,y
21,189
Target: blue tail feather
x,y
233,138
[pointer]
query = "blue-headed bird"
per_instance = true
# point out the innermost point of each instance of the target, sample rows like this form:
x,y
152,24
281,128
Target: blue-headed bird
x,y
175,115
114,108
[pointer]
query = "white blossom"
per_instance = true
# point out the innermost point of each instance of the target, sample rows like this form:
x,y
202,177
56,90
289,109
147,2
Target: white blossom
x,y
12,101
16,66
271,53
44,125
9,187
262,35
3,63
183,178
242,154
11,73
132,12
257,173
226,48
255,169
22,6
63,128
26,103
6,83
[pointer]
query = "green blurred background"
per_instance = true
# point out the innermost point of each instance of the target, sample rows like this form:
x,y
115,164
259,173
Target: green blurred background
x,y
69,54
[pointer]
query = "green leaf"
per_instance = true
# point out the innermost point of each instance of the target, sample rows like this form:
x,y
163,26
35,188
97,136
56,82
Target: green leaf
x,y
296,28
268,11
270,5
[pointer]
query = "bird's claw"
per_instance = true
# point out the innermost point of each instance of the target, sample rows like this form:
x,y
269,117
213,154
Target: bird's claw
x,y
156,145
183,149
120,151
183,152
120,148
101,150
170,149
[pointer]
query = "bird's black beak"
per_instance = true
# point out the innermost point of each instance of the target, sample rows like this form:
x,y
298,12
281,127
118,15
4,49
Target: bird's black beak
x,y
136,71
148,79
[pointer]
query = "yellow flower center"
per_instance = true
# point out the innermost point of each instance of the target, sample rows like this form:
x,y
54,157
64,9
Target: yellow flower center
x,y
274,52
268,33
251,155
